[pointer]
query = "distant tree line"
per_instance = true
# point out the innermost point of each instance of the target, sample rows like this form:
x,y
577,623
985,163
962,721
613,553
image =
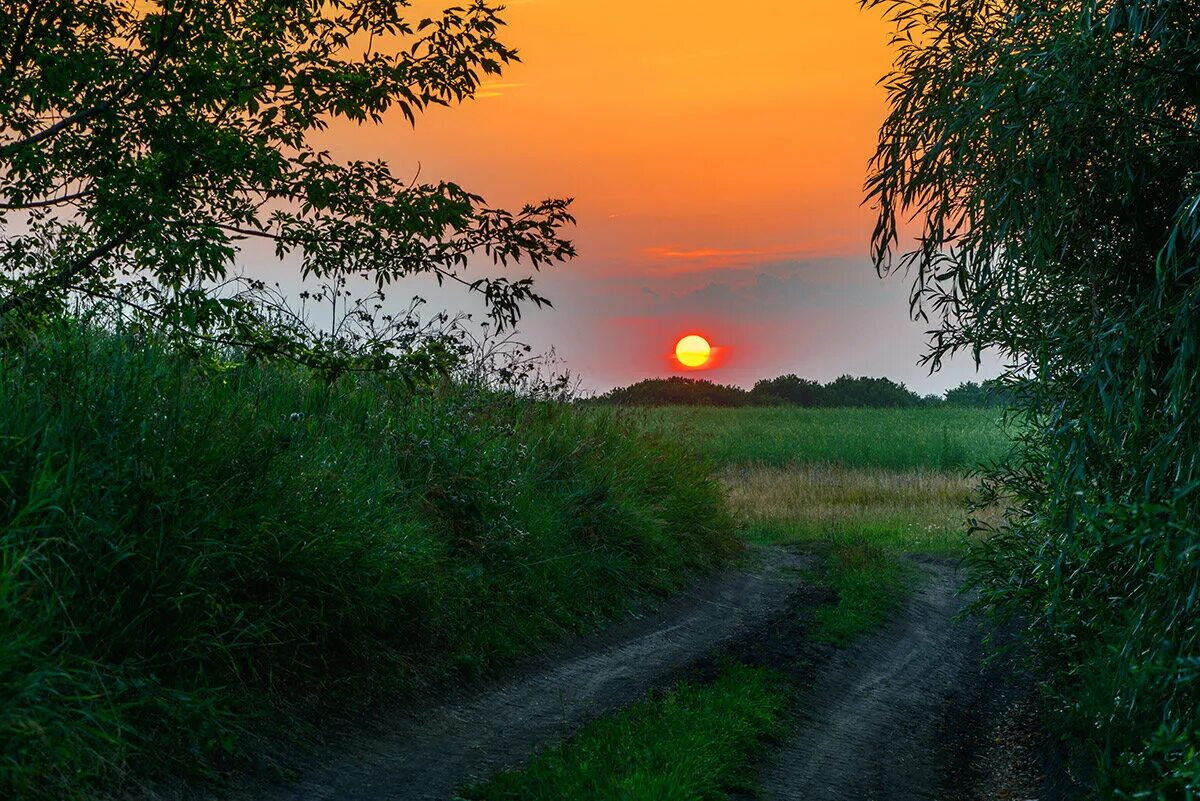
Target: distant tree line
x,y
791,390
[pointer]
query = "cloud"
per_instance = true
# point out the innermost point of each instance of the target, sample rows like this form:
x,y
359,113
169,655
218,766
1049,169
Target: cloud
x,y
495,89
695,259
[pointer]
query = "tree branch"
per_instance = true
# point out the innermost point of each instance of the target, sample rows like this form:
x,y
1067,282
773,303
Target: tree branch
x,y
63,279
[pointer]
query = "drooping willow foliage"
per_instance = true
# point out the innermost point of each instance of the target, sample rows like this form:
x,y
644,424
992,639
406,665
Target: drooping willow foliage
x,y
1042,158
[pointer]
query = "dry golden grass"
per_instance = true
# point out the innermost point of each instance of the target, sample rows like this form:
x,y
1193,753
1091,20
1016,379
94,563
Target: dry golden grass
x,y
917,511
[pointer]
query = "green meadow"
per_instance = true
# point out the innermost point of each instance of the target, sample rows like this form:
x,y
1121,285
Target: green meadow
x,y
865,488
939,438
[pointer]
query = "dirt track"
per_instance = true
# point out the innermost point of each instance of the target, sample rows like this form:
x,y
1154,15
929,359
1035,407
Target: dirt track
x,y
869,729
907,713
432,753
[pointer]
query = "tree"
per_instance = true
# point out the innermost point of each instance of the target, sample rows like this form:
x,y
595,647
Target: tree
x,y
1047,153
869,392
969,393
788,388
676,391
140,143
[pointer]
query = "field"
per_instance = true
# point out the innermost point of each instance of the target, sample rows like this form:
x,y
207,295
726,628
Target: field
x,y
889,478
931,439
864,487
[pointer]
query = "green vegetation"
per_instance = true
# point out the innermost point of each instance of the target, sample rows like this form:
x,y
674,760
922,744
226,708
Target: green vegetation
x,y
189,547
870,581
790,390
944,439
696,743
1044,155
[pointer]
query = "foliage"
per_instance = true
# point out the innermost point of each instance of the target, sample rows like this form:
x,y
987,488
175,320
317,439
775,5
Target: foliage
x,y
941,438
676,391
968,393
1047,152
876,393
696,743
142,143
186,548
791,390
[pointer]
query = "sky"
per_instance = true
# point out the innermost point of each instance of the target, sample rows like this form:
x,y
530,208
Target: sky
x,y
717,153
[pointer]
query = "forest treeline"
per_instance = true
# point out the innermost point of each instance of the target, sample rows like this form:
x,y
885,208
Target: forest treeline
x,y
791,390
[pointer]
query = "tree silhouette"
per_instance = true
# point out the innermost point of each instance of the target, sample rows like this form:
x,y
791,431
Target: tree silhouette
x,y
140,143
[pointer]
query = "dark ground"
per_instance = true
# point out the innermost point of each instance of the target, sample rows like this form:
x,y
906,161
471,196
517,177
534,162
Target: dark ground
x,y
908,712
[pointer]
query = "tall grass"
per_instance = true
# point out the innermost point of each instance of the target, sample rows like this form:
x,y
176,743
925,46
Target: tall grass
x,y
940,438
185,551
911,511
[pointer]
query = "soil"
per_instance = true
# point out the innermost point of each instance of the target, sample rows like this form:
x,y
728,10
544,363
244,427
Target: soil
x,y
432,752
867,727
920,710
913,711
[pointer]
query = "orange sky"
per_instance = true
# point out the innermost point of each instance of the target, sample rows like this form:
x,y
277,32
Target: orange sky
x,y
717,152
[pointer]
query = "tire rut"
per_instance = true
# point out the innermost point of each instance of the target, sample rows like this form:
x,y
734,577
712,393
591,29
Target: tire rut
x,y
868,727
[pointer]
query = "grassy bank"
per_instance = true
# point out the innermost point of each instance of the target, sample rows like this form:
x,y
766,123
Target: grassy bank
x,y
937,439
186,551
695,742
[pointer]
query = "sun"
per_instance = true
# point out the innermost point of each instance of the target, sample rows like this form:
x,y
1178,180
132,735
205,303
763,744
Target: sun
x,y
693,351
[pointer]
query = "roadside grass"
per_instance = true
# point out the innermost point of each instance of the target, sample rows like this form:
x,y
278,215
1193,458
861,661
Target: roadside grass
x,y
694,743
943,439
189,553
863,522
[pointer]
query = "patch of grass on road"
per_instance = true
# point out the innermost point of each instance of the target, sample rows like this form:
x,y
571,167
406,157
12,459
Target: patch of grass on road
x,y
863,521
695,742
870,582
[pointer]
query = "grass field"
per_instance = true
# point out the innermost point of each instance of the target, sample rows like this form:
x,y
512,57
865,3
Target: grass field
x,y
863,487
930,439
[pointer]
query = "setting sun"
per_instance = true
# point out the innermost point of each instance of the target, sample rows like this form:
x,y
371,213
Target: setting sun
x,y
693,351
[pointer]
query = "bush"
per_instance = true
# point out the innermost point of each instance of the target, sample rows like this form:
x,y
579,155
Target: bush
x,y
188,547
1044,156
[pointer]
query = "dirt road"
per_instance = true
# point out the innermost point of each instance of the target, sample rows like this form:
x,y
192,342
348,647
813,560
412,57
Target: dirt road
x,y
868,728
431,753
904,714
